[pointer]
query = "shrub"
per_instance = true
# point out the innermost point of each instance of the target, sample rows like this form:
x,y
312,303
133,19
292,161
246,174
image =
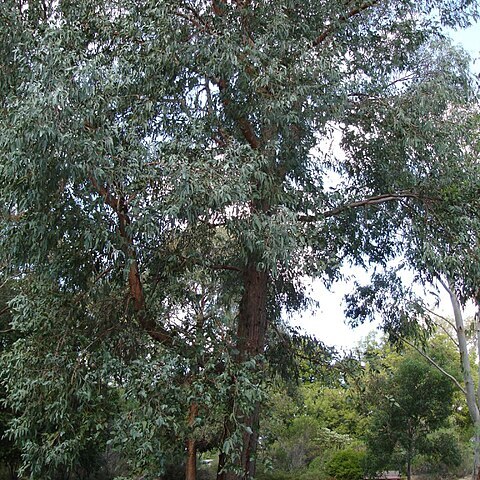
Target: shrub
x,y
346,464
278,475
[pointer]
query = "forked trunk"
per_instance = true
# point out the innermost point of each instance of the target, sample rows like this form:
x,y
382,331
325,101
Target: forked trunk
x,y
252,327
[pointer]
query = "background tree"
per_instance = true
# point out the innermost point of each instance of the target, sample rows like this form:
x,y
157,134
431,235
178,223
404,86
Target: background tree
x,y
441,252
415,402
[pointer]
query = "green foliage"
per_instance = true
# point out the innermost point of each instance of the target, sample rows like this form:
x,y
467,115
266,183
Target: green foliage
x,y
298,445
302,431
391,399
153,153
289,476
443,449
409,406
10,454
276,476
335,408
347,464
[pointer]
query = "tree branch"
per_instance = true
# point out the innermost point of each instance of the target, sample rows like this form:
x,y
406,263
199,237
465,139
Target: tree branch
x,y
434,363
471,394
196,19
374,200
226,267
14,217
148,323
242,122
447,333
441,317
355,11
446,286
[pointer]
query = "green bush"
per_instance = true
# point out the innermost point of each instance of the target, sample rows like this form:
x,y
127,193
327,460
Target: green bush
x,y
346,464
278,475
317,464
310,476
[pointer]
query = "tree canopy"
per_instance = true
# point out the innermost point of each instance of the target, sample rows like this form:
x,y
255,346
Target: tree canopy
x,y
167,184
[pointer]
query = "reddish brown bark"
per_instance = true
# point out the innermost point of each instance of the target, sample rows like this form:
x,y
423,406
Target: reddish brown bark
x,y
120,207
251,331
252,323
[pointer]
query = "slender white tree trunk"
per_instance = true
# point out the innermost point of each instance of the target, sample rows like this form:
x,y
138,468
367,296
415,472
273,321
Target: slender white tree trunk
x,y
476,438
472,394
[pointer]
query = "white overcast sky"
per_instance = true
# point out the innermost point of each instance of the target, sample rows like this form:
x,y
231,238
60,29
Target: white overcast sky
x,y
327,322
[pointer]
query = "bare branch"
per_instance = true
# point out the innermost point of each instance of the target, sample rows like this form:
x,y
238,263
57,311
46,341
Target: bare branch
x,y
369,201
226,267
470,394
441,317
410,76
447,333
434,363
445,286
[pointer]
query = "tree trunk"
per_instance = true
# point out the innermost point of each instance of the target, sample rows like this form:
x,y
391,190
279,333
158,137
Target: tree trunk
x,y
12,469
410,446
251,331
476,436
476,453
191,466
465,360
471,394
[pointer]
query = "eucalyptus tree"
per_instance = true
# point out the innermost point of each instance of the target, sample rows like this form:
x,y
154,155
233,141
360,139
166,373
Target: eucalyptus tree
x,y
470,388
144,142
460,284
445,252
441,249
